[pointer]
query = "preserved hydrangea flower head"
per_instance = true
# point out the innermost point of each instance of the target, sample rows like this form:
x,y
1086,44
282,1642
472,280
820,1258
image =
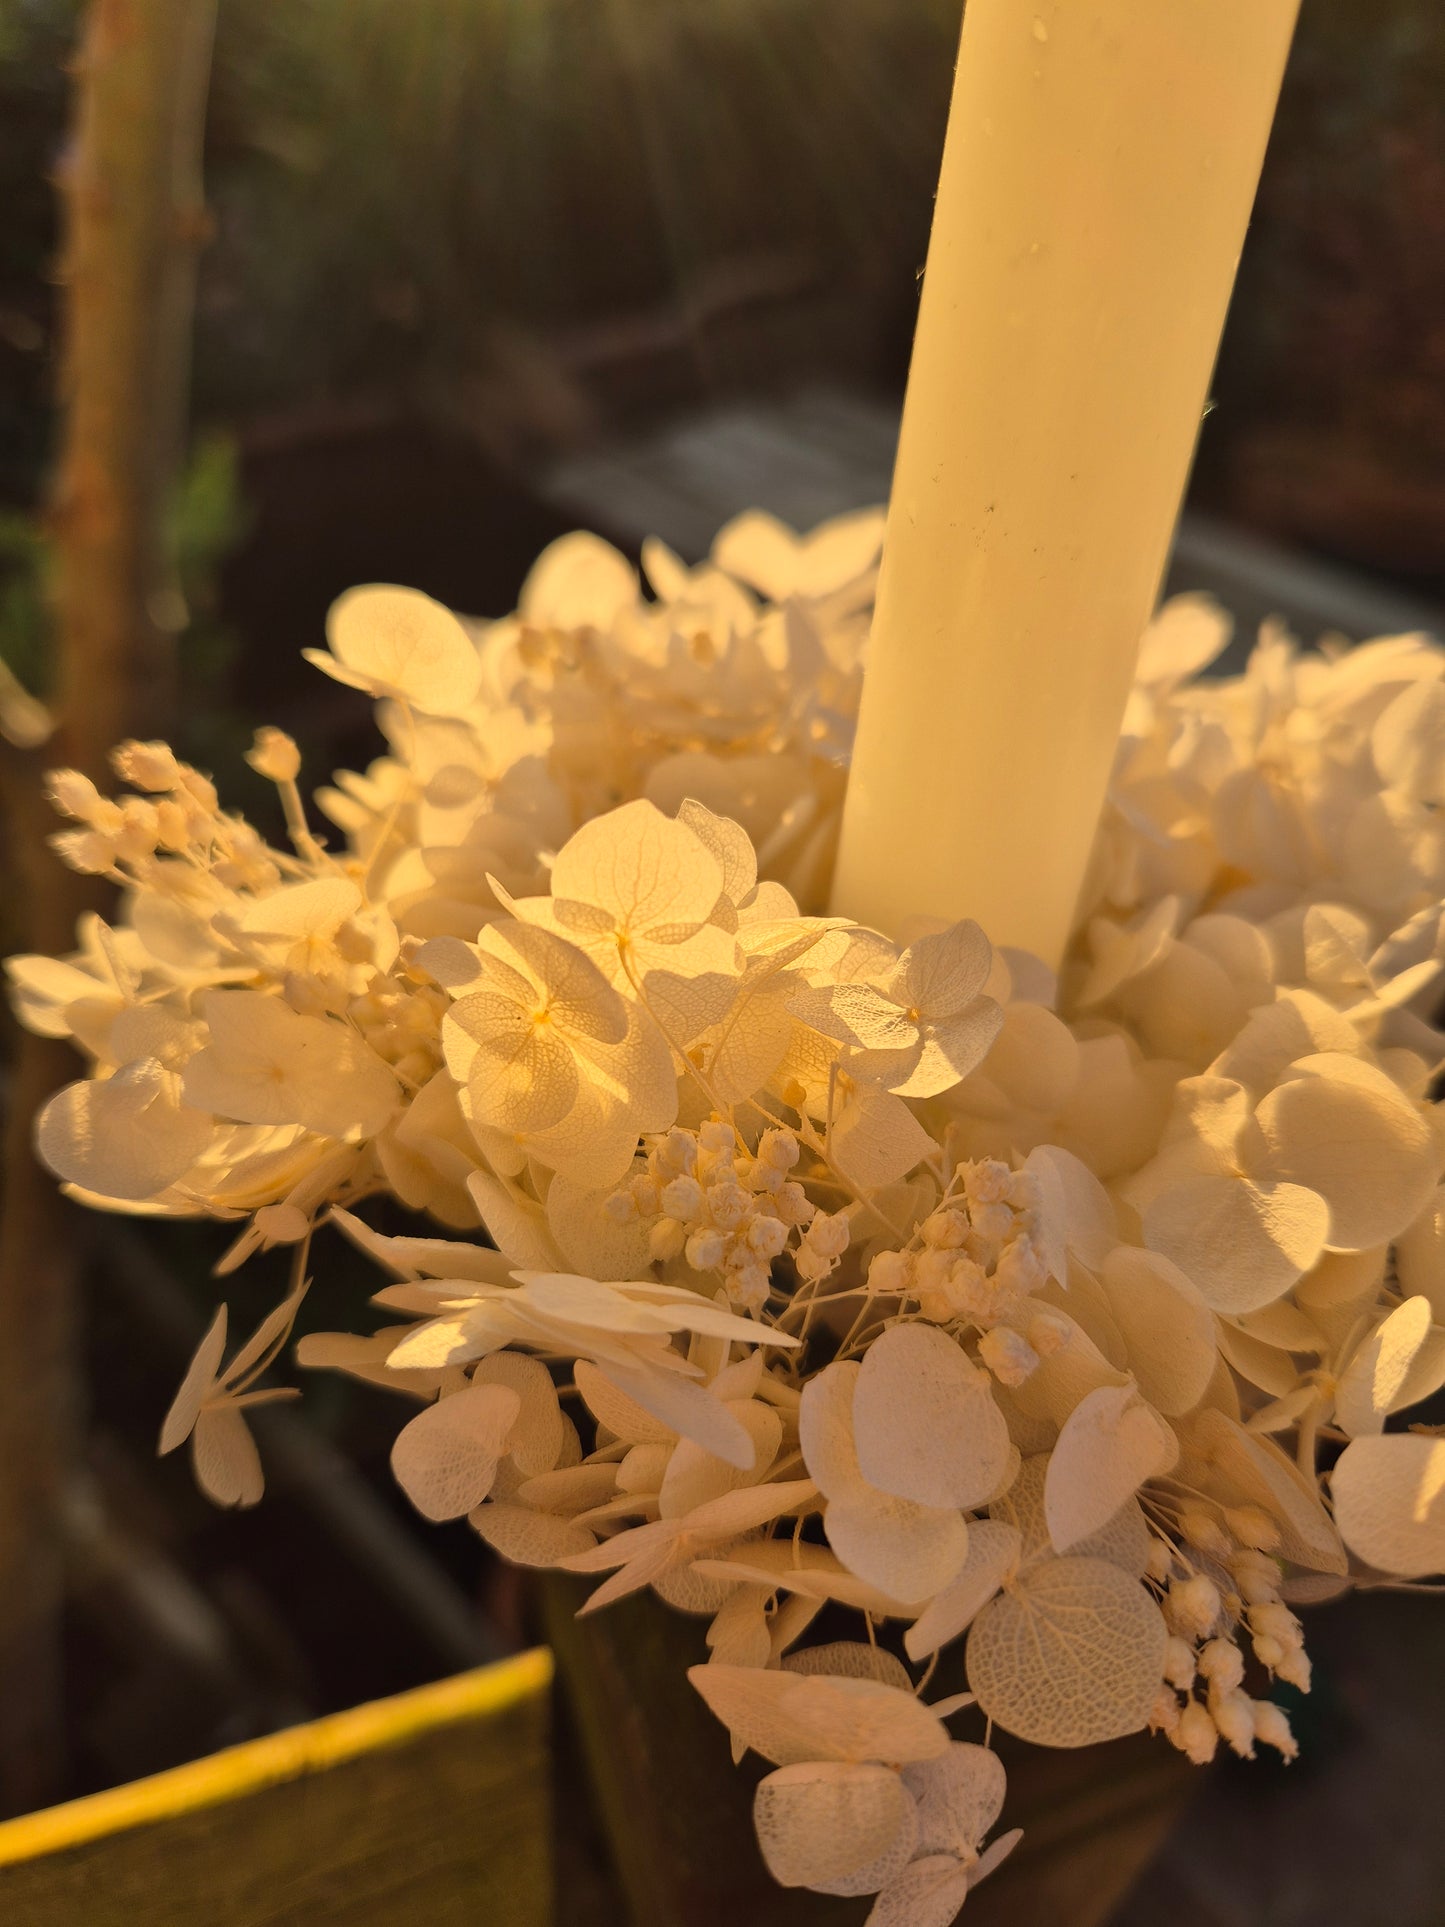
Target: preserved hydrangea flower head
x,y
1068,1318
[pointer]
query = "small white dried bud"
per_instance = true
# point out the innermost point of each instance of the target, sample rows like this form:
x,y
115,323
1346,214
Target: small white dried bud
x,y
944,1230
890,1271
85,850
1295,1669
682,1198
748,1285
173,826
1020,1267
1257,1577
792,1204
828,1234
666,1239
679,1149
727,1204
705,1249
1201,1529
1196,1735
1272,1728
1008,1355
715,1137
1048,1333
621,1208
986,1182
646,1194
767,1236
73,794
1179,1663
1222,1664
1234,1716
1160,1562
1191,1606
149,766
1274,1620
779,1149
274,755
1252,1527
1164,1714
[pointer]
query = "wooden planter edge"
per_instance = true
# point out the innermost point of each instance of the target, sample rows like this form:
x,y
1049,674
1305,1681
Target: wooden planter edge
x,y
237,1771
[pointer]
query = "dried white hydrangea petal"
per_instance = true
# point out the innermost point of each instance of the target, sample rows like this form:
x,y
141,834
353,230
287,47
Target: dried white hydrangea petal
x,y
1375,1381
1420,1254
791,1718
265,1063
851,1659
127,1136
836,1827
1389,1495
445,1459
1072,1653
612,1408
1110,1444
224,1457
398,642
694,1475
876,1139
928,1893
1165,1325
993,1556
535,1439
960,1796
1341,1128
925,1425
906,1550
1242,1243
529,1538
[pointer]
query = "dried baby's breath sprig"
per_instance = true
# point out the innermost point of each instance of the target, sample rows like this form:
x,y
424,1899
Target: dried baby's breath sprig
x,y
1067,1318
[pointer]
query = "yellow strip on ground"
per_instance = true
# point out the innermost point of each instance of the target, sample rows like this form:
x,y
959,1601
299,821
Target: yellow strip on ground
x,y
245,1769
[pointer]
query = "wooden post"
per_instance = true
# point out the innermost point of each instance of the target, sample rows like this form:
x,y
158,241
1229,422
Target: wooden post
x,y
130,187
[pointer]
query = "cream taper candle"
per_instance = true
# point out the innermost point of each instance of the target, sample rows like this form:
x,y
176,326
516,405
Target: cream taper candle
x,y
1100,164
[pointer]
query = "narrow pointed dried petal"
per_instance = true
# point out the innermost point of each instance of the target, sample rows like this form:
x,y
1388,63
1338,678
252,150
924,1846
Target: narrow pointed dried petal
x,y
224,1457
200,1377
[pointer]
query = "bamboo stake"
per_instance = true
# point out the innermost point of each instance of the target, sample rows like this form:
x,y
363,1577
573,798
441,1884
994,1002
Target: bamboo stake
x,y
133,215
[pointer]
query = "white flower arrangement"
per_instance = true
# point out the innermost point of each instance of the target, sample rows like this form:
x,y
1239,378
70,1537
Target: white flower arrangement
x,y
1064,1316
